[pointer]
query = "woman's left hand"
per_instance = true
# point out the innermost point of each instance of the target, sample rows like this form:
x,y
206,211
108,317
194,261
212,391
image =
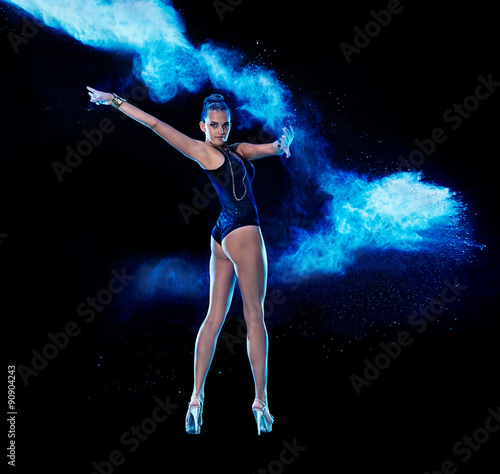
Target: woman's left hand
x,y
285,140
99,97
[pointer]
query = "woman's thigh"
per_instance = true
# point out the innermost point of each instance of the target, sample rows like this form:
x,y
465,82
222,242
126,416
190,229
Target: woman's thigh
x,y
246,249
222,281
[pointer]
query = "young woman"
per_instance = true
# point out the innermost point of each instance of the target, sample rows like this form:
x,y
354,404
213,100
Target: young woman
x,y
238,250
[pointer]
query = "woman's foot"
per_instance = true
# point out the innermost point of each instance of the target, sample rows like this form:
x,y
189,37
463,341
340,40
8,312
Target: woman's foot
x,y
194,415
263,418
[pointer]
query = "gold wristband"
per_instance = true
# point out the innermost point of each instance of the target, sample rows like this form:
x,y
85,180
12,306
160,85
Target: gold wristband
x,y
116,101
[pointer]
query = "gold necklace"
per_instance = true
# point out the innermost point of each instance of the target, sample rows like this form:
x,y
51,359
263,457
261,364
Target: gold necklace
x,y
232,174
242,181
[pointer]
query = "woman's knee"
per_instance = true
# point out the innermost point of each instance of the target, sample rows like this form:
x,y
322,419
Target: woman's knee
x,y
254,316
214,321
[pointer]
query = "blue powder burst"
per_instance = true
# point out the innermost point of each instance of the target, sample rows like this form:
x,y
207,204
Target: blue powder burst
x,y
170,276
398,212
153,32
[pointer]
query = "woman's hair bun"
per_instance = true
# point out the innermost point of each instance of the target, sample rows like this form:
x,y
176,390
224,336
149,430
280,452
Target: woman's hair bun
x,y
214,98
213,102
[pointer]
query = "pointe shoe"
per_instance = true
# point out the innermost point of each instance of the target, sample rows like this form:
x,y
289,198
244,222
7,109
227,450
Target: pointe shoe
x,y
262,417
194,418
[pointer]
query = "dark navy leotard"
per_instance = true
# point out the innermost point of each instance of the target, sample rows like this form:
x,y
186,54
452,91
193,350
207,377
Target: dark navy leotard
x,y
235,213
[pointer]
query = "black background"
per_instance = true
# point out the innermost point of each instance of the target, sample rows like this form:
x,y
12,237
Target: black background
x,y
63,239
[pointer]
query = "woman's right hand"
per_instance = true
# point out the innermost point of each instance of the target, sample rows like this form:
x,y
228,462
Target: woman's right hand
x,y
286,140
99,97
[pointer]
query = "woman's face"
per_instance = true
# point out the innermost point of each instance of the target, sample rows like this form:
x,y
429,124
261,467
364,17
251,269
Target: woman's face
x,y
216,127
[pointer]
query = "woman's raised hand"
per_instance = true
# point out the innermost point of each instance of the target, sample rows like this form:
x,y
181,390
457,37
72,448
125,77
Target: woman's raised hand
x,y
286,140
99,97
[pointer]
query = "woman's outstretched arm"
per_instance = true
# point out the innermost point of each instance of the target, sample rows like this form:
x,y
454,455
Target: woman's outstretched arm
x,y
193,149
280,146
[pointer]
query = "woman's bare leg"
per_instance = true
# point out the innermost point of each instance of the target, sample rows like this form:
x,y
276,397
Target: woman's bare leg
x,y
222,280
245,247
